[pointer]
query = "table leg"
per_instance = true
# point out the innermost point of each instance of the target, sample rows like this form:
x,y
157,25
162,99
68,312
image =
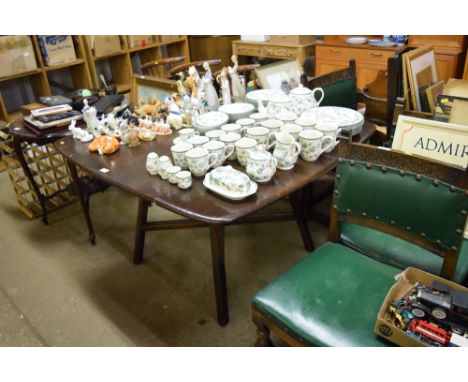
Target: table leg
x,y
84,205
142,218
298,208
219,272
27,171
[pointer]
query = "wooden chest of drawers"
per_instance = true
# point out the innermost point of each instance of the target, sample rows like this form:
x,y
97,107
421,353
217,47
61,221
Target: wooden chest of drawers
x,y
371,63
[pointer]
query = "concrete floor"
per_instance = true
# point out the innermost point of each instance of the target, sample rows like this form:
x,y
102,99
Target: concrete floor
x,y
56,289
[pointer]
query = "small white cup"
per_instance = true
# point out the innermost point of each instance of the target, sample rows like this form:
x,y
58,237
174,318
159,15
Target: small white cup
x,y
232,128
215,134
314,143
178,153
222,149
200,160
305,122
243,147
273,125
184,180
330,129
164,163
198,140
186,134
292,129
258,117
246,122
171,172
261,134
231,138
152,160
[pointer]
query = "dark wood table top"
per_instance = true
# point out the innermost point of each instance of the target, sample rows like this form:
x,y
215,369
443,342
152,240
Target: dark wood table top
x,y
128,172
18,130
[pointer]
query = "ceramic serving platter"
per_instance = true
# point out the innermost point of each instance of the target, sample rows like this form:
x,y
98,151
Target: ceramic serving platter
x,y
262,94
347,119
212,119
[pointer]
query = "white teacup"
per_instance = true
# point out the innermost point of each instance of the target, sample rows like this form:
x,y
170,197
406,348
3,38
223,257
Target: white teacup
x,y
186,134
184,179
292,129
305,122
273,125
314,143
246,122
286,116
261,134
258,117
222,149
171,172
163,164
243,147
330,129
215,134
152,160
200,160
231,138
232,128
178,153
198,140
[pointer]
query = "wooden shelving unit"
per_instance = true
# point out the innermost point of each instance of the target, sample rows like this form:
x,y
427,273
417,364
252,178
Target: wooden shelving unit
x,y
40,79
118,68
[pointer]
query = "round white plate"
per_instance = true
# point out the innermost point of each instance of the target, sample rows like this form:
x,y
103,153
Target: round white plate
x,y
237,108
381,43
346,118
262,94
356,40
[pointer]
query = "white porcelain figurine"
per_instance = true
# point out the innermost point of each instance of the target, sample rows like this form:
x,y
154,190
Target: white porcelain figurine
x,y
224,85
238,90
211,94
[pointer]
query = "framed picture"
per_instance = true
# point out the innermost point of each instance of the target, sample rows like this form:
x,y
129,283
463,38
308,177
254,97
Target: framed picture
x,y
432,92
445,142
283,75
421,73
145,88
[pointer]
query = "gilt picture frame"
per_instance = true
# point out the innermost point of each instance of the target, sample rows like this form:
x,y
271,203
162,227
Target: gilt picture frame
x,y
282,75
146,87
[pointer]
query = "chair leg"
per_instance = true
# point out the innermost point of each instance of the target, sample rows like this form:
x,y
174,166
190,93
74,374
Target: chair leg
x,y
263,336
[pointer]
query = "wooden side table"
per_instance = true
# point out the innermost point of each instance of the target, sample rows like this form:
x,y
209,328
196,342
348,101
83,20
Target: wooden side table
x,y
273,50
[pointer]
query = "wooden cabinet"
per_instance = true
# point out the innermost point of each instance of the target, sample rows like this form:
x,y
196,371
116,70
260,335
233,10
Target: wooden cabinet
x,y
465,72
211,47
449,53
27,87
118,68
371,62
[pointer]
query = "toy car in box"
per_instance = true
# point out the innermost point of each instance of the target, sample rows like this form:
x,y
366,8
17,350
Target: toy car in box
x,y
424,310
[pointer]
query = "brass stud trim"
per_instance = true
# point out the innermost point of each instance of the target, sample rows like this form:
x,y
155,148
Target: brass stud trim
x,y
348,210
454,248
408,228
340,160
352,162
377,218
402,173
368,166
384,168
452,188
463,212
459,231
466,193
438,241
418,177
435,182
364,214
336,192
392,222
335,206
423,234
338,176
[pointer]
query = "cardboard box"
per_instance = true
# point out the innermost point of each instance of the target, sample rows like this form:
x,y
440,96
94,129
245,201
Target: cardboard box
x,y
255,38
135,41
384,327
292,39
55,50
103,45
16,55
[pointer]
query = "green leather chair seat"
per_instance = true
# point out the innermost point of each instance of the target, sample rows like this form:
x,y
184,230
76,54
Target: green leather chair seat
x,y
399,253
340,93
330,298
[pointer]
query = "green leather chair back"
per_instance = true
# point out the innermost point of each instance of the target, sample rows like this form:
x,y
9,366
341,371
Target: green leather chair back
x,y
341,93
416,204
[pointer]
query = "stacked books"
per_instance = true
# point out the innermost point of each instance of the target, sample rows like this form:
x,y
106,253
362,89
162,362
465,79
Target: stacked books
x,y
51,118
